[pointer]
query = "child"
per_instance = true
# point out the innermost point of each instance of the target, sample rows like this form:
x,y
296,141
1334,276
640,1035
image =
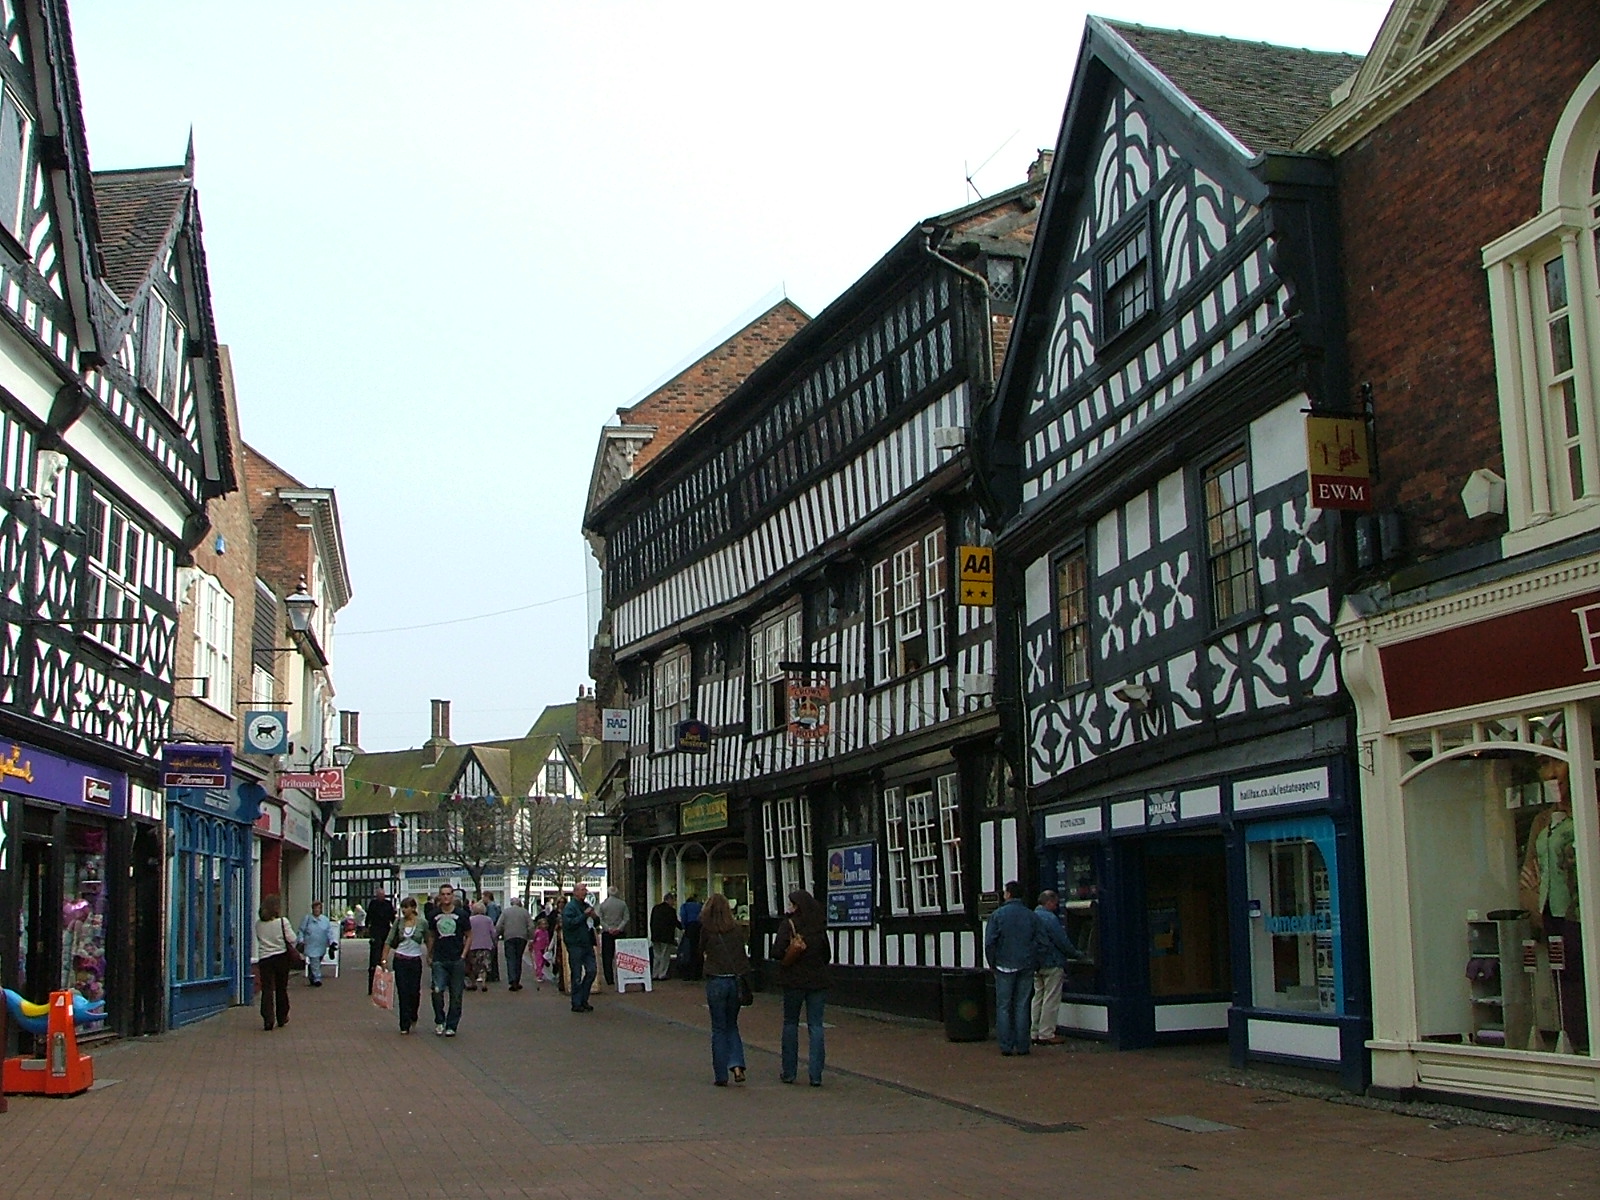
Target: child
x,y
541,943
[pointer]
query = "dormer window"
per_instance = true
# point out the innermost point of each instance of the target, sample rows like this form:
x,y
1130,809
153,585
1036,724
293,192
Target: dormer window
x,y
1127,282
15,130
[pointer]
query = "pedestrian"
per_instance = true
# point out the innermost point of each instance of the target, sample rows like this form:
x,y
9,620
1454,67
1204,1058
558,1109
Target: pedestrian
x,y
612,915
804,982
273,937
380,919
664,926
726,959
360,915
405,953
689,946
316,935
1054,949
1009,947
448,930
480,946
493,911
577,936
542,953
514,927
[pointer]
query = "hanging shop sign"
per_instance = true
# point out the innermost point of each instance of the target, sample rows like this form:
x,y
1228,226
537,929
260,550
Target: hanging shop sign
x,y
187,765
975,575
692,737
601,825
297,828
266,731
808,710
28,771
1339,462
850,885
705,812
615,724
324,784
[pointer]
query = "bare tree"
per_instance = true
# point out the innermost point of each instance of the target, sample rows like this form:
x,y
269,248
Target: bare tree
x,y
471,832
550,842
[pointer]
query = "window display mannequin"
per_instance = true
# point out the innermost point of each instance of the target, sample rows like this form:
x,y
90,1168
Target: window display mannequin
x,y
1548,889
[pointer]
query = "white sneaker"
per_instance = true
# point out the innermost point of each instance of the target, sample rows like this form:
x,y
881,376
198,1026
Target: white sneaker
x,y
439,1030
449,1033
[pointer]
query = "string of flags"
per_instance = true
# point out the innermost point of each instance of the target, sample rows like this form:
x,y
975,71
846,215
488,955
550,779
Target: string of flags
x,y
454,797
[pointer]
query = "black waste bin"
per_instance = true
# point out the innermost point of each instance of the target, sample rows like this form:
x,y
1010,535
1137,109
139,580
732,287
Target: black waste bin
x,y
965,996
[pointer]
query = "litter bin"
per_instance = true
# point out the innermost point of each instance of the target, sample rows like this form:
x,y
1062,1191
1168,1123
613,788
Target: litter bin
x,y
965,996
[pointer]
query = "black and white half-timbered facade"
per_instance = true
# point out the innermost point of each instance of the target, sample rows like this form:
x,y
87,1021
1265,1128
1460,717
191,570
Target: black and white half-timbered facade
x,y
1178,713
111,440
811,705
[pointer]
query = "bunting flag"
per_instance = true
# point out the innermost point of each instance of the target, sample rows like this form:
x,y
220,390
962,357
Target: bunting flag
x,y
457,797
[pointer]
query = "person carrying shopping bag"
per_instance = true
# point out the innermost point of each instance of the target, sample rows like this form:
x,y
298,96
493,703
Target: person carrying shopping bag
x,y
405,953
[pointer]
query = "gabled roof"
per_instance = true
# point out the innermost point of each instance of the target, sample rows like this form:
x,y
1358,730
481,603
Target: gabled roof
x,y
139,213
514,768
1266,96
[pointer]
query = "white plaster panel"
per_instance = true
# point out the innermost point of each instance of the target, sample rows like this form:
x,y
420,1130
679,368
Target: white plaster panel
x,y
1108,552
1301,1041
1172,510
1175,1018
1008,847
1091,1018
1036,590
1278,443
1137,517
986,881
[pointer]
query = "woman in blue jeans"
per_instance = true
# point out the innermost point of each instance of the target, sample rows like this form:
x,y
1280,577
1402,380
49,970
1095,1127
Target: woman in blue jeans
x,y
805,983
725,960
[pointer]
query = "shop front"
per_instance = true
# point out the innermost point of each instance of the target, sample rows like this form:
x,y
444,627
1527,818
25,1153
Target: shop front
x,y
691,847
64,875
212,915
1479,714
1226,907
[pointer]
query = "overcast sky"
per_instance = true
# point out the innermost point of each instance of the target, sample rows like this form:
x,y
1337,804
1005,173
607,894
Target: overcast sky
x,y
448,241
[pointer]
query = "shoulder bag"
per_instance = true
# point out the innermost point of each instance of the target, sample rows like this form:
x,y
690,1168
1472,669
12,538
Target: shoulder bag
x,y
747,995
296,959
795,948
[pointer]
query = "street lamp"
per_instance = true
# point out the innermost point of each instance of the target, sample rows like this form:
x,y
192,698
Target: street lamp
x,y
300,607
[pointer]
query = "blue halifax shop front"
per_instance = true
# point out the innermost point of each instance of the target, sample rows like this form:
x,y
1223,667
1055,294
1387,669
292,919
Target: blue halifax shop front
x,y
1223,908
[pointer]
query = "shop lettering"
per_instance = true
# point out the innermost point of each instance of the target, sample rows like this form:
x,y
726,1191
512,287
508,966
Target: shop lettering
x,y
1301,923
13,767
1589,631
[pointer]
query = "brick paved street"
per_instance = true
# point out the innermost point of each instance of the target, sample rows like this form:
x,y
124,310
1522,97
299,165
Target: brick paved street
x,y
543,1103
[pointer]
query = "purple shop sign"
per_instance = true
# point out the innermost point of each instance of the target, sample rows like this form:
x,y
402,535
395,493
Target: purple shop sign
x,y
186,765
28,771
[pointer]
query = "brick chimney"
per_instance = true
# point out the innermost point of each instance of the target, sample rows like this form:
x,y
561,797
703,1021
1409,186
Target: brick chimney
x,y
1040,170
350,728
588,714
440,737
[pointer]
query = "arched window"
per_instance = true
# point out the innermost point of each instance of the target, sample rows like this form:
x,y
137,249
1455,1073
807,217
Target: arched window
x,y
1544,298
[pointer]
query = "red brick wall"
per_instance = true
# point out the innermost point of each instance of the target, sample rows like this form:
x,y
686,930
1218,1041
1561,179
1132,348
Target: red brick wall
x,y
678,403
1454,170
283,544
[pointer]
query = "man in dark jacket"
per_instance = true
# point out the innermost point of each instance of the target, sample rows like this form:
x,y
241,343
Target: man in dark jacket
x,y
664,926
1054,951
1009,945
380,919
577,932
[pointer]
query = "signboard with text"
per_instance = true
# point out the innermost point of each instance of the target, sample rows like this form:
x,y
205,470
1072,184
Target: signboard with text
x,y
324,784
705,812
850,885
808,710
975,575
1339,462
615,724
633,962
196,766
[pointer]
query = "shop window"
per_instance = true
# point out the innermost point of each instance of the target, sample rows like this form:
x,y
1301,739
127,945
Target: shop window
x,y
909,588
1494,857
1230,537
83,913
1077,883
1295,941
669,695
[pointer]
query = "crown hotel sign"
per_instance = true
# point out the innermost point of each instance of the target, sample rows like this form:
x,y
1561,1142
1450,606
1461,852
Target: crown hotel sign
x,y
1339,461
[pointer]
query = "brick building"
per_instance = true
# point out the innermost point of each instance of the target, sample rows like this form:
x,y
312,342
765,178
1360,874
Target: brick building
x,y
1468,152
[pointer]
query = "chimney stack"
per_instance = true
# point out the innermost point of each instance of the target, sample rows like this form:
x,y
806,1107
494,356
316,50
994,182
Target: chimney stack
x,y
588,714
441,721
350,728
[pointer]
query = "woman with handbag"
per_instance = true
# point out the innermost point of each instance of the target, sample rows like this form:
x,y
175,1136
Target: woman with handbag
x,y
803,958
726,962
405,953
275,956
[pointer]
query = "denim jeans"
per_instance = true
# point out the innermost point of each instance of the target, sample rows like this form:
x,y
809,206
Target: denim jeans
x,y
581,965
793,999
727,1047
451,976
514,949
1013,1001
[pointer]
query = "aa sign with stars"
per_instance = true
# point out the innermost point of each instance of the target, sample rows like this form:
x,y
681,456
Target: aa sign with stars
x,y
976,575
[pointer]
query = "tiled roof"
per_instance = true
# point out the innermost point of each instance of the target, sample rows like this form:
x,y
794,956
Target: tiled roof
x,y
137,210
1264,95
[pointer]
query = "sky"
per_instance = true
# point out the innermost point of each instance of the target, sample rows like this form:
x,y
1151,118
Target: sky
x,y
448,241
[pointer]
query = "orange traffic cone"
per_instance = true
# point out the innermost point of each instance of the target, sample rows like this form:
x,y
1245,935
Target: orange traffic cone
x,y
63,1071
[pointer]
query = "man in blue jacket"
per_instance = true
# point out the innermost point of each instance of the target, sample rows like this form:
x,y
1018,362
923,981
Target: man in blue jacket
x,y
1055,951
1010,946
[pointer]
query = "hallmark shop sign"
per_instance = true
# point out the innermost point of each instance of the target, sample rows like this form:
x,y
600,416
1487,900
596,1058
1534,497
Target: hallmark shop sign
x,y
196,766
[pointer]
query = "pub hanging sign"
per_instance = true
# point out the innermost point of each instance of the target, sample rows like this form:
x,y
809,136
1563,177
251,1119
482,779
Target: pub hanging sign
x,y
1339,460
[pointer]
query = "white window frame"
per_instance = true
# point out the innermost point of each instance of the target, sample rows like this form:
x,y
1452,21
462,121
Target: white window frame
x,y
1540,507
15,191
910,590
950,841
786,843
775,639
898,876
115,566
555,779
213,641
922,836
670,680
162,359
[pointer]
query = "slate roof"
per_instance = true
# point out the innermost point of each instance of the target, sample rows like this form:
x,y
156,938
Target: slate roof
x,y
1265,95
514,768
137,212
